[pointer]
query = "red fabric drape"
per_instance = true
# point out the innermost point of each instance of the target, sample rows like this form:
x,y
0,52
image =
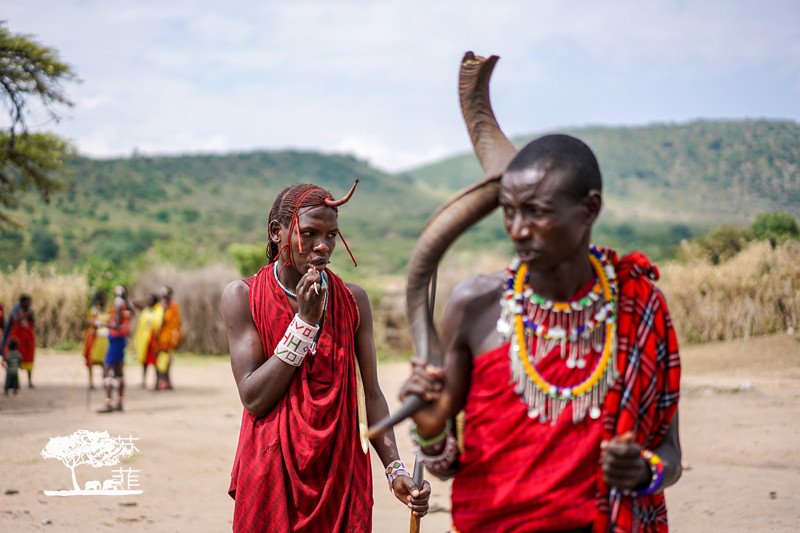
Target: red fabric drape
x,y
20,326
645,397
300,468
519,475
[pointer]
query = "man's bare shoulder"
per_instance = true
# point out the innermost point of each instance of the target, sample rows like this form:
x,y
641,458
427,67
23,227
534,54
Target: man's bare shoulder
x,y
235,289
355,288
478,288
235,298
472,313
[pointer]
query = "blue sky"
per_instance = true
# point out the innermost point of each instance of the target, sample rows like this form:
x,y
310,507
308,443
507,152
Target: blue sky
x,y
378,79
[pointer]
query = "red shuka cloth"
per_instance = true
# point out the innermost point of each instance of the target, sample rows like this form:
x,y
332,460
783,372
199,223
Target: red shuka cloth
x,y
20,326
519,475
301,467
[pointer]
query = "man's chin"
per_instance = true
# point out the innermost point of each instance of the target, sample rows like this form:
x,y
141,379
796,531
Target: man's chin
x,y
529,256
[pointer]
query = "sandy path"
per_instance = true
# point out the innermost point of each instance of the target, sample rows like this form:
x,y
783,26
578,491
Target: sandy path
x,y
739,428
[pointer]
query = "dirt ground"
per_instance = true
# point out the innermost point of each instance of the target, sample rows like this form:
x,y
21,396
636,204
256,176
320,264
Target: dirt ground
x,y
739,414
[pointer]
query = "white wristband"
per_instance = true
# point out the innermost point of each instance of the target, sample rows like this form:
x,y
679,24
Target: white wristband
x,y
296,342
394,470
300,328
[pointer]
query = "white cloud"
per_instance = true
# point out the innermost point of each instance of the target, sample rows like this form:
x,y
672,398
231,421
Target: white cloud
x,y
379,79
376,152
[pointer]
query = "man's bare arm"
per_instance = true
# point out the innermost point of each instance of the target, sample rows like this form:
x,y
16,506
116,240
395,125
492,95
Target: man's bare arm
x,y
261,382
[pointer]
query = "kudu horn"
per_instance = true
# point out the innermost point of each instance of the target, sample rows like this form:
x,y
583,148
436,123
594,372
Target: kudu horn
x,y
466,208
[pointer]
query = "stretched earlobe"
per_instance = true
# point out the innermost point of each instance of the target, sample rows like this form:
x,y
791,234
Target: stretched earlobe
x,y
275,232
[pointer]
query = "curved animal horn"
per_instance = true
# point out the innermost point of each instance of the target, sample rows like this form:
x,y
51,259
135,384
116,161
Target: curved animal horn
x,y
465,209
336,203
492,147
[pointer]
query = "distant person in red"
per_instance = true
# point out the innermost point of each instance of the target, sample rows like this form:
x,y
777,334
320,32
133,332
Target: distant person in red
x,y
301,346
20,325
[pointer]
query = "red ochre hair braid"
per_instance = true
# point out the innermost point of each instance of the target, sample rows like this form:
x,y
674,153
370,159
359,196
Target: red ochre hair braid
x,y
288,204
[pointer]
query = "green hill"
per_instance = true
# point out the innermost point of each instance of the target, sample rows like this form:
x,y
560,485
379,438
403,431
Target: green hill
x,y
662,183
191,208
667,182
701,171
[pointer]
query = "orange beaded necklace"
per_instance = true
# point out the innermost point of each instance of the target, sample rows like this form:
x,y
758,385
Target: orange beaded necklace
x,y
546,400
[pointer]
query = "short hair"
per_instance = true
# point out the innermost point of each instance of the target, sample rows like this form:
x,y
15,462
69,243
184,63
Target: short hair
x,y
13,343
565,153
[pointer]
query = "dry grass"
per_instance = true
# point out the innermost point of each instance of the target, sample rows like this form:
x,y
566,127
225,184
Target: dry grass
x,y
198,293
754,293
59,301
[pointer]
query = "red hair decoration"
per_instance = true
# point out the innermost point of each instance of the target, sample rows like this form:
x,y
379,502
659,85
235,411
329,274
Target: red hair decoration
x,y
329,202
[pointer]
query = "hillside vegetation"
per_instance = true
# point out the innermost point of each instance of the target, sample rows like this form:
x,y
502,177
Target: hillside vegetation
x,y
667,182
187,210
729,191
663,183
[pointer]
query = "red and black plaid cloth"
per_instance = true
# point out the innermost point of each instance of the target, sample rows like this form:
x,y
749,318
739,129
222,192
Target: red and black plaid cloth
x,y
645,397
519,475
300,468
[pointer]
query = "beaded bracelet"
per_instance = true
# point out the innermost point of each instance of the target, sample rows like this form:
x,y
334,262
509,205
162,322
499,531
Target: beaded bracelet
x,y
656,474
395,470
296,342
422,441
445,459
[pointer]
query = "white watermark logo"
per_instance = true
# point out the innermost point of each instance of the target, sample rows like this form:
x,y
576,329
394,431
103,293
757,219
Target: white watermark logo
x,y
96,449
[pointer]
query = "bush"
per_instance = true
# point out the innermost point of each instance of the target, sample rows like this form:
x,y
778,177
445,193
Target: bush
x,y
249,258
753,293
775,227
721,244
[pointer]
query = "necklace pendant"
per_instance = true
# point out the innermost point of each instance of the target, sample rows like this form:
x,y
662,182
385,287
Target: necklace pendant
x,y
503,327
557,333
578,328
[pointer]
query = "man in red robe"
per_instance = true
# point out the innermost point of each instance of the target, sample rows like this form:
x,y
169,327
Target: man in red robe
x,y
301,346
20,326
570,384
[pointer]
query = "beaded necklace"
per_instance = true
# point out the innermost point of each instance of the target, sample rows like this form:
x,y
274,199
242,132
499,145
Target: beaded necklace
x,y
289,293
580,328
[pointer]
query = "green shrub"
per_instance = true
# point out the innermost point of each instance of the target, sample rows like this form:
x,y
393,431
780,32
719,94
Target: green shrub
x,y
775,227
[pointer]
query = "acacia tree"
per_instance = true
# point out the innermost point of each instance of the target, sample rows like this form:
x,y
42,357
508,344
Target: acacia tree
x,y
30,72
84,447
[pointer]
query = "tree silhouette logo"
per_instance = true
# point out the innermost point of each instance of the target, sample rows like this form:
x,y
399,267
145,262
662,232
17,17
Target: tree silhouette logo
x,y
96,449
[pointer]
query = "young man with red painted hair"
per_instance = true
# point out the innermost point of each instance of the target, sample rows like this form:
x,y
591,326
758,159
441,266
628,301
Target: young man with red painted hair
x,y
301,345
